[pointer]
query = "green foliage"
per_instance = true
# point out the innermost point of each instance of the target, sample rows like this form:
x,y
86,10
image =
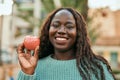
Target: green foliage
x,y
26,15
72,3
116,71
48,5
80,5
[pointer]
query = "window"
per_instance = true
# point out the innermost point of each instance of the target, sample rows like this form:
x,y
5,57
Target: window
x,y
114,59
24,1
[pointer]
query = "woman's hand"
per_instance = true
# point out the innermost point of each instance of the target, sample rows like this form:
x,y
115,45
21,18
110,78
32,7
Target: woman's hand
x,y
27,61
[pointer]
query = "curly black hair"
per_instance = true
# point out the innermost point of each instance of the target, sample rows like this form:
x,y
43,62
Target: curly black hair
x,y
86,61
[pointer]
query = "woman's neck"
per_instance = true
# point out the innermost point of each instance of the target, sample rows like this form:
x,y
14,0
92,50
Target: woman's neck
x,y
64,55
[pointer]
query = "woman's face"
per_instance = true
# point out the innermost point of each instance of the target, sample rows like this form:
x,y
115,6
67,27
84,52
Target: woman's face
x,y
62,32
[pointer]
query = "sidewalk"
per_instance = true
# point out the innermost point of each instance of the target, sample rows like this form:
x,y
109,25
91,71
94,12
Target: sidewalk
x,y
9,70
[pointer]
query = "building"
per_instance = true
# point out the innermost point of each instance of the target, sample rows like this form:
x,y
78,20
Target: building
x,y
108,42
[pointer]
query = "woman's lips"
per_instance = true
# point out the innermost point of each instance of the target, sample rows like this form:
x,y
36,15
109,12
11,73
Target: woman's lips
x,y
62,39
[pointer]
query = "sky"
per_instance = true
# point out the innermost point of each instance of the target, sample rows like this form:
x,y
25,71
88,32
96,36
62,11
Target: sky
x,y
6,7
112,4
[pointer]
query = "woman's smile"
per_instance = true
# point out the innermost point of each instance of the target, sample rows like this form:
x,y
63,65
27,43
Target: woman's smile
x,y
61,40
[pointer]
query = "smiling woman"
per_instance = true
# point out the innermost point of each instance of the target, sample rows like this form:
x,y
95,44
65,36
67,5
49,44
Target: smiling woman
x,y
64,52
62,32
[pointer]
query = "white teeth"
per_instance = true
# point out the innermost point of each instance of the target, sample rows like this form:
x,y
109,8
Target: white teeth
x,y
61,38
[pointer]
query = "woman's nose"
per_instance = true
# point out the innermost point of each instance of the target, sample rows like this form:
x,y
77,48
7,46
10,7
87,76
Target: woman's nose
x,y
62,30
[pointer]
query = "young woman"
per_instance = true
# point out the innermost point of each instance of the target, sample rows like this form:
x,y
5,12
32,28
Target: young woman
x,y
64,52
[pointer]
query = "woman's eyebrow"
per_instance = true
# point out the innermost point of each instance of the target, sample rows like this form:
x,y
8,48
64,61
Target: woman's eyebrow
x,y
70,22
55,20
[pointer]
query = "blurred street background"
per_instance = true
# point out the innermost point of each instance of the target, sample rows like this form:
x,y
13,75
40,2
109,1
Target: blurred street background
x,y
19,18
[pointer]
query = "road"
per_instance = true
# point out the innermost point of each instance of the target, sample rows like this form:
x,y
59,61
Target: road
x,y
9,70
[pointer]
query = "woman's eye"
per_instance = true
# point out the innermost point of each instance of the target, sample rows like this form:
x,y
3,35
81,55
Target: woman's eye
x,y
55,24
69,26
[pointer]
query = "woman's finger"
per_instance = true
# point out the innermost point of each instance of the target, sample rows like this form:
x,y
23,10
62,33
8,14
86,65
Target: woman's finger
x,y
28,53
20,48
36,52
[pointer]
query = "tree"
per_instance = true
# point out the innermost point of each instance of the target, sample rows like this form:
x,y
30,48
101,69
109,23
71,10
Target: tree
x,y
26,14
80,5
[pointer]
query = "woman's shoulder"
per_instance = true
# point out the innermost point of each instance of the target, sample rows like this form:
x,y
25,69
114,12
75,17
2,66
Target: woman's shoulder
x,y
101,60
107,70
104,63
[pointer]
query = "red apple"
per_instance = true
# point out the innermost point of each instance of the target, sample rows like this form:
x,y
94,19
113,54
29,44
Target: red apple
x,y
31,42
